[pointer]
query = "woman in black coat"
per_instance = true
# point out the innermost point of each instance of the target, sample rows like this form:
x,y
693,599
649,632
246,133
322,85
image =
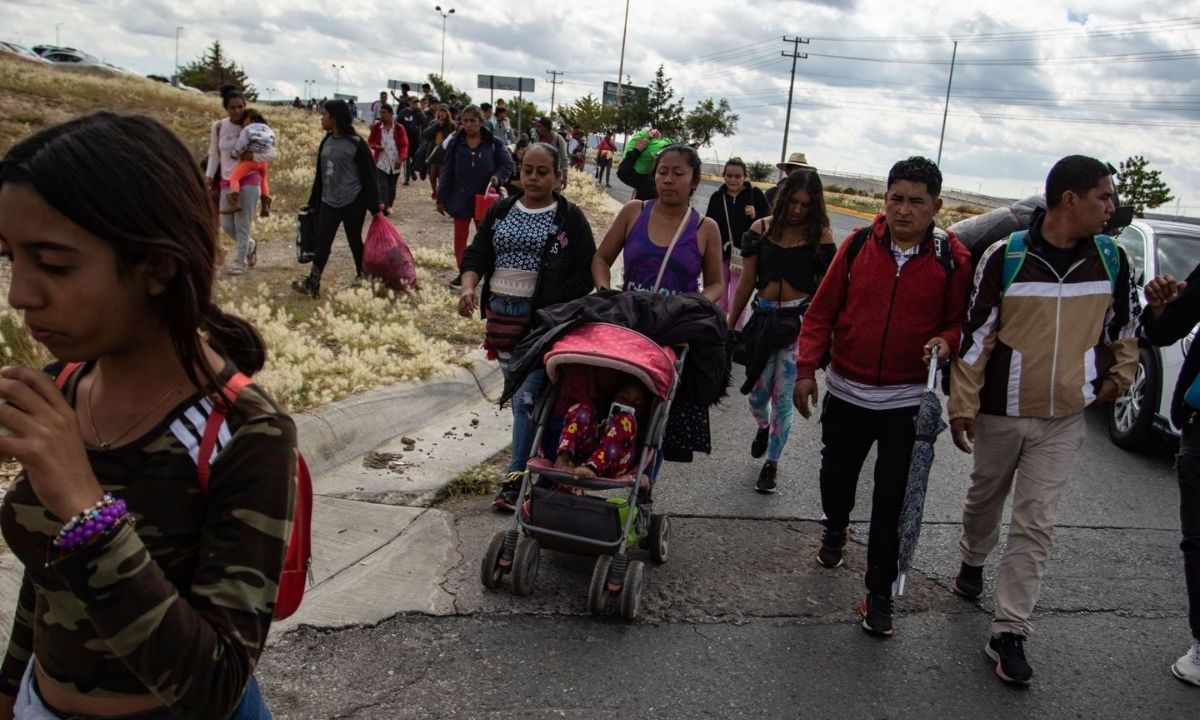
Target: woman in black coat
x,y
734,207
534,249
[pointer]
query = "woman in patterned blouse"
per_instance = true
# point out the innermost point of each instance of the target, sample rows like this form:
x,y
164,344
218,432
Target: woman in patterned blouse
x,y
535,250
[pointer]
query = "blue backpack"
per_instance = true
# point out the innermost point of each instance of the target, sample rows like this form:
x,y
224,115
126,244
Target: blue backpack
x,y
1017,249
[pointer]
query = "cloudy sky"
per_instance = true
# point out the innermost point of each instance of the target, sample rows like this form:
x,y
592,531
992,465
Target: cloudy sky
x,y
1034,79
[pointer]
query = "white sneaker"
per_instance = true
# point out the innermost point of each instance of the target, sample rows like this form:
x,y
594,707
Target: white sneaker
x,y
1187,668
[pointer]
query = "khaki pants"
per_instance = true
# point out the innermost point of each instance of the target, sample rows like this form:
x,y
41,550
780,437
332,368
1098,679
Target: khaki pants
x,y
1044,451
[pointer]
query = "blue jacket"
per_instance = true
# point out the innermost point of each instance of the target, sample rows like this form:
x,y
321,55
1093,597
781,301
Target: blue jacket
x,y
465,172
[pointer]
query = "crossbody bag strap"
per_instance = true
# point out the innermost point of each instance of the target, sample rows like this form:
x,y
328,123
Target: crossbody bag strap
x,y
687,217
728,225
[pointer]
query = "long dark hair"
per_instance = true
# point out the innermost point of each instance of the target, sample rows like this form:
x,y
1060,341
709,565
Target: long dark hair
x,y
817,218
340,112
130,181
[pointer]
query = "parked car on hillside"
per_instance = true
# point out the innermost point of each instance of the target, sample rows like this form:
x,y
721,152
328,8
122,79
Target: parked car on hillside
x,y
1143,413
22,53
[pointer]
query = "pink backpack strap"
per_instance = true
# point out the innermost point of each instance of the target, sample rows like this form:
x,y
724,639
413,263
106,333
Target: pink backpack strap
x,y
212,426
64,375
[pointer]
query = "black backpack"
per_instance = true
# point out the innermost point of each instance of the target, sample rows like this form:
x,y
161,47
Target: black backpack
x,y
941,244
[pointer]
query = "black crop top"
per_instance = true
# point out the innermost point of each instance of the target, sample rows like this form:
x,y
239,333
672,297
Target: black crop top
x,y
801,266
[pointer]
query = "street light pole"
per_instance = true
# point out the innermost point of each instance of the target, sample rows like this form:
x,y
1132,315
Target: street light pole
x,y
337,83
177,31
445,14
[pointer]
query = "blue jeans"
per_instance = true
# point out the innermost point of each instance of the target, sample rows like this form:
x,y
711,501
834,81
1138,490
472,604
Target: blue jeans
x,y
252,706
524,401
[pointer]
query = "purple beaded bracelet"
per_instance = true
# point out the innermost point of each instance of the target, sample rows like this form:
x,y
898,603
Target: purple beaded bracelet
x,y
91,522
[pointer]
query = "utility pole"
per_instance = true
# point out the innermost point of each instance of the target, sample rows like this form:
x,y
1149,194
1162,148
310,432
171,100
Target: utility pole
x,y
946,109
554,83
794,55
621,69
177,31
57,42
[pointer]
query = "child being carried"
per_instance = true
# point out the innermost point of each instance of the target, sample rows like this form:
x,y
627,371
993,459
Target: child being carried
x,y
256,138
611,451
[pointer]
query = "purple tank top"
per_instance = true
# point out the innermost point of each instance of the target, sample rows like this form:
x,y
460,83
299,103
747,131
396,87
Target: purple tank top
x,y
642,257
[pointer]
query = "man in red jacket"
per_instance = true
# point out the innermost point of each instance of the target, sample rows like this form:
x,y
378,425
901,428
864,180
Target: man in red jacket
x,y
894,292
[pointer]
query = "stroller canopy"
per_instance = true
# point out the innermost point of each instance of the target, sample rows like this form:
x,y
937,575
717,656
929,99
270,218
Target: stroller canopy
x,y
618,348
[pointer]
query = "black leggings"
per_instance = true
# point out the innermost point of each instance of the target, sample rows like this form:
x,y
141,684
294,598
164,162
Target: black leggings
x,y
351,217
387,186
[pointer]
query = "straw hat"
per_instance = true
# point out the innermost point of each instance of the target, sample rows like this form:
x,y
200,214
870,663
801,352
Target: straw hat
x,y
794,161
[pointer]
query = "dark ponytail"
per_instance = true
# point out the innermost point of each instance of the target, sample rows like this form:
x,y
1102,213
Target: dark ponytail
x,y
340,112
130,181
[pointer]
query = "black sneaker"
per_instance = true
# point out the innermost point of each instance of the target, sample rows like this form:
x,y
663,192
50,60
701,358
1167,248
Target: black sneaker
x,y
766,478
876,612
969,583
456,283
832,546
758,448
506,499
1008,652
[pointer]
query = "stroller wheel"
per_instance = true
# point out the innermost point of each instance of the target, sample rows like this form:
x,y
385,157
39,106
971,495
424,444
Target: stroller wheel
x,y
490,572
631,592
525,566
660,537
598,592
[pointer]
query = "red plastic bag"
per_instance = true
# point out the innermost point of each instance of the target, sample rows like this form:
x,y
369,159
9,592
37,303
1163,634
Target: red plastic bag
x,y
387,258
484,202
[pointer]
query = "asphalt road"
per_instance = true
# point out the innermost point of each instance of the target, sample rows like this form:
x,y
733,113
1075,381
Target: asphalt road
x,y
742,623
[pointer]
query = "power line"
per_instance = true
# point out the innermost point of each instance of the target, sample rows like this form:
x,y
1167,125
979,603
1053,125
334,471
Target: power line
x,y
1108,59
1120,29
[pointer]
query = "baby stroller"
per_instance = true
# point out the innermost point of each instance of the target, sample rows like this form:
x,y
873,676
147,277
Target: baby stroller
x,y
592,356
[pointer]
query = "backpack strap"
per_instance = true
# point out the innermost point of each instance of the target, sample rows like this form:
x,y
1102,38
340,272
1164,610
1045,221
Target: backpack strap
x,y
941,246
1014,257
212,426
64,375
1110,257
856,246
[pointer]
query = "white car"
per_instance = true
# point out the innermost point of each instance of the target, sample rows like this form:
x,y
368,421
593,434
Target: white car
x,y
1142,414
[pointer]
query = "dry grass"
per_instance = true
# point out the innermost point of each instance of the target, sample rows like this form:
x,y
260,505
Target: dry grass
x,y
351,340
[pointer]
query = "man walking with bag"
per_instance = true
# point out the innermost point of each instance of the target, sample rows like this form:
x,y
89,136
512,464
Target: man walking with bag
x,y
895,291
1050,330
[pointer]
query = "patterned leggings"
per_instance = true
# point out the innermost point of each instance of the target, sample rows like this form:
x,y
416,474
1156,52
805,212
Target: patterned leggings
x,y
609,453
771,399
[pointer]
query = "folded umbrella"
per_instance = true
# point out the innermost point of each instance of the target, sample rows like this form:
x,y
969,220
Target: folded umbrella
x,y
929,425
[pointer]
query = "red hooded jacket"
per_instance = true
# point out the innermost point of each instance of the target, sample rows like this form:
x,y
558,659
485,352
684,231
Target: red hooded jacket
x,y
375,140
876,320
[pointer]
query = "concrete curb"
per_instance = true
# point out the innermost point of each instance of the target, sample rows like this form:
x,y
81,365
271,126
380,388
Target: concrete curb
x,y
333,434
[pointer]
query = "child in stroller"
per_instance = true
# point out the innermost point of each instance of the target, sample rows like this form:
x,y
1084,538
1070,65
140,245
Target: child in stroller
x,y
609,451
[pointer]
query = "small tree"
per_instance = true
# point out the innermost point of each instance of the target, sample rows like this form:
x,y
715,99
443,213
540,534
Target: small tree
x,y
589,115
529,111
634,115
214,69
444,89
1140,187
708,120
760,171
666,113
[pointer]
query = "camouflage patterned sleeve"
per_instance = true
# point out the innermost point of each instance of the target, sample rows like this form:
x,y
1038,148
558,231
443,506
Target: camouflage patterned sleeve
x,y
20,642
197,652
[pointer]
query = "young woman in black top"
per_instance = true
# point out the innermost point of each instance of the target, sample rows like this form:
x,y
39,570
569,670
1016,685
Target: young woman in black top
x,y
784,257
734,206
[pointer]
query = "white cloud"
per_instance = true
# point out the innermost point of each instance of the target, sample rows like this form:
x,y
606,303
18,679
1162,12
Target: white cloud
x,y
1003,132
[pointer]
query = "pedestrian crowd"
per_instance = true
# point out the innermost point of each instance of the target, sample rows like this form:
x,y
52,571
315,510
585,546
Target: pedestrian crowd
x,y
107,224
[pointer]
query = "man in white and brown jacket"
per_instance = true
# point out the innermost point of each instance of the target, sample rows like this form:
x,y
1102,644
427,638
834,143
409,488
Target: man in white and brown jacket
x,y
1048,333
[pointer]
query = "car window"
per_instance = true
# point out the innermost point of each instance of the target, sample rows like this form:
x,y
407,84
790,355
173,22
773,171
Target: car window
x,y
1177,254
60,57
1134,243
